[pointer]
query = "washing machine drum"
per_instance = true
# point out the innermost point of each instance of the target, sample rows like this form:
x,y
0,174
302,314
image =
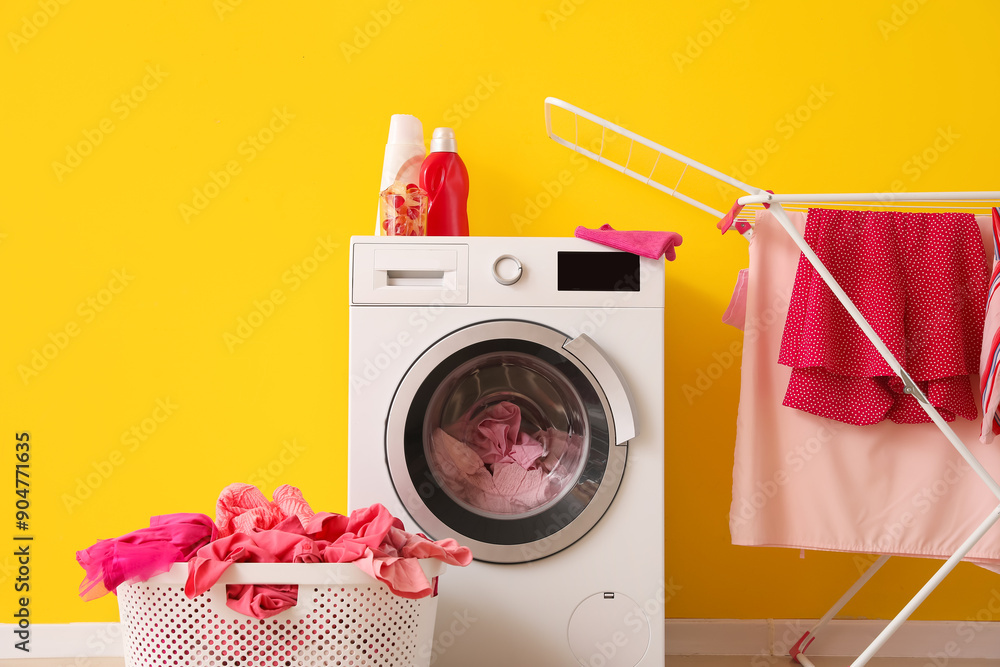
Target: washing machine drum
x,y
509,437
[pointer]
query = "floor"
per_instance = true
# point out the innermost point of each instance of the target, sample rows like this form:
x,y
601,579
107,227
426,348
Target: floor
x,y
671,661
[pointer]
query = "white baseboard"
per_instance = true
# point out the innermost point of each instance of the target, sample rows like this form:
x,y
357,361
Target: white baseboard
x,y
773,637
764,638
65,640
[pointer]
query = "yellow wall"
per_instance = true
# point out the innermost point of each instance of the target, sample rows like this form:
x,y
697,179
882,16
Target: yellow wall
x,y
168,94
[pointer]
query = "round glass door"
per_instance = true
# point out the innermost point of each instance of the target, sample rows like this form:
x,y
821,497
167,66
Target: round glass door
x,y
503,439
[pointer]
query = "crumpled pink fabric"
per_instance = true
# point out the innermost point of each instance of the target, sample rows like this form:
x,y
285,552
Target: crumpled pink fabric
x,y
370,537
495,435
141,554
650,244
242,508
507,488
396,562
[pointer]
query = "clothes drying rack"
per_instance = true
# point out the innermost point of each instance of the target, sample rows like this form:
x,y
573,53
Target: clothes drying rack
x,y
757,196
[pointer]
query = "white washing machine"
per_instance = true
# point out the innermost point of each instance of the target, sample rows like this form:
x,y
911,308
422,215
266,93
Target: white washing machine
x,y
508,393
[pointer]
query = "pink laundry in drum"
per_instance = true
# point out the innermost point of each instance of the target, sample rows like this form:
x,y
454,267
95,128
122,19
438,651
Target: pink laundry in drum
x,y
920,279
488,463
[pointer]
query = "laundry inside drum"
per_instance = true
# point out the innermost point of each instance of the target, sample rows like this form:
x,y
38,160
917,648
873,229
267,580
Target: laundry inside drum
x,y
506,435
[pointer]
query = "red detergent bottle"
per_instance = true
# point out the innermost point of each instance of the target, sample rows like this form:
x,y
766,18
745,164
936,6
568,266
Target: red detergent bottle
x,y
446,180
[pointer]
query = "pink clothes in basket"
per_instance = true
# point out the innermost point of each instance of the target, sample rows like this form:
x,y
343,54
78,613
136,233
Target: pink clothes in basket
x,y
920,279
141,554
807,482
371,538
242,508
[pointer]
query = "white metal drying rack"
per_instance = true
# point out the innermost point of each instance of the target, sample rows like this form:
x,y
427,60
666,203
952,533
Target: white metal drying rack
x,y
774,202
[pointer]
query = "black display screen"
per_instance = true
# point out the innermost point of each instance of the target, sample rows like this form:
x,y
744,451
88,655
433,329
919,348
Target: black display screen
x,y
598,272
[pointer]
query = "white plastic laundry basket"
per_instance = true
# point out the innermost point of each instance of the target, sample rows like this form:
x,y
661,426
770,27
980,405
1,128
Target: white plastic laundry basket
x,y
343,618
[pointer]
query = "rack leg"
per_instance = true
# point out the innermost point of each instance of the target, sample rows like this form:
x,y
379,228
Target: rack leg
x,y
797,652
942,572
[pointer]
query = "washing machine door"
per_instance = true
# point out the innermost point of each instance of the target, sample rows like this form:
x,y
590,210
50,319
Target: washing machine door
x,y
509,437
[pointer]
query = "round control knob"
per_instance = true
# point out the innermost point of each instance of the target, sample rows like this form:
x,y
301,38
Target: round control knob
x,y
507,269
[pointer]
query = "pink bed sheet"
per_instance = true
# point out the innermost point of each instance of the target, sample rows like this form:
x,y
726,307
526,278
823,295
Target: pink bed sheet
x,y
807,482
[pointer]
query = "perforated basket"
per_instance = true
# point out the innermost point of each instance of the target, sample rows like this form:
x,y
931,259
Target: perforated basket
x,y
343,618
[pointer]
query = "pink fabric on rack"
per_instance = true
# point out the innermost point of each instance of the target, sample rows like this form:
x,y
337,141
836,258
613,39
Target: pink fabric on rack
x,y
370,537
726,223
806,482
736,313
650,244
920,280
989,360
141,554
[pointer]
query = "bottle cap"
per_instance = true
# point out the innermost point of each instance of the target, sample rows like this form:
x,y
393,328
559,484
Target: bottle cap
x,y
443,140
406,129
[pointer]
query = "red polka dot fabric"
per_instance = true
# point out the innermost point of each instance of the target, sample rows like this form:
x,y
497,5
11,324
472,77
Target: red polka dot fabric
x,y
920,279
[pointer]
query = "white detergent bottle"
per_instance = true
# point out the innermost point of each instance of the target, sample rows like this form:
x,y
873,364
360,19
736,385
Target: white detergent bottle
x,y
404,153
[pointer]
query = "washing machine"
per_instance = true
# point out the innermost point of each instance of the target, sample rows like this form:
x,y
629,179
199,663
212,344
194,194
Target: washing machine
x,y
508,393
